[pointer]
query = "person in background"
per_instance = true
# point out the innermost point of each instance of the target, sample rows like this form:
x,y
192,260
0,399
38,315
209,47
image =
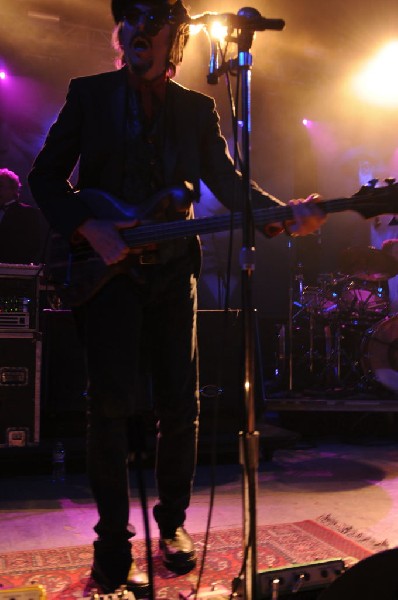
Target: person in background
x,y
143,143
22,231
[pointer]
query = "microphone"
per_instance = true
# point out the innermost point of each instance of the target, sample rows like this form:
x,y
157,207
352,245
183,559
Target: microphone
x,y
256,22
247,18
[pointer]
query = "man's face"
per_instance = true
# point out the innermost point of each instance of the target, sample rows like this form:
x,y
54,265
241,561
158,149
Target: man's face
x,y
146,45
8,190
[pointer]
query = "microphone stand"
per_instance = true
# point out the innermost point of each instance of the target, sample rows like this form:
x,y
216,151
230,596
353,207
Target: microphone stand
x,y
248,439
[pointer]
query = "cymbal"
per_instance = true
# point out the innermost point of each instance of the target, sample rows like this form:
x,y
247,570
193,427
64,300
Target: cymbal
x,y
368,263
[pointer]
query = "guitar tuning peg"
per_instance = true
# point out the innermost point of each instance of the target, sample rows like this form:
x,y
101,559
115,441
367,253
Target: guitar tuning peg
x,y
373,182
390,180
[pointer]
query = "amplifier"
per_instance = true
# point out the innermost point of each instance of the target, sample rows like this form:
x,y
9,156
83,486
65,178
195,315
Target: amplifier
x,y
14,320
19,296
20,376
284,582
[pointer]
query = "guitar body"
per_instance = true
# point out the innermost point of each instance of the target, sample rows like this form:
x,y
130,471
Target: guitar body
x,y
79,278
77,281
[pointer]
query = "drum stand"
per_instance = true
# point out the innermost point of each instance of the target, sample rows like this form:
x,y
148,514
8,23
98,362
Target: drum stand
x,y
349,359
323,361
291,246
296,283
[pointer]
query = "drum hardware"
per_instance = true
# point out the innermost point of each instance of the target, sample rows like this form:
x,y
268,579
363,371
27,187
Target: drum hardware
x,y
328,324
323,342
393,222
339,335
309,302
364,299
347,342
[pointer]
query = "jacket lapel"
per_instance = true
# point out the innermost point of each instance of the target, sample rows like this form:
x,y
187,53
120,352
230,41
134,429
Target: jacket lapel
x,y
117,101
171,144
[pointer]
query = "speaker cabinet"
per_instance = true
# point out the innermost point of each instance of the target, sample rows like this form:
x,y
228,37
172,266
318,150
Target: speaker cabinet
x,y
64,375
221,369
20,379
221,361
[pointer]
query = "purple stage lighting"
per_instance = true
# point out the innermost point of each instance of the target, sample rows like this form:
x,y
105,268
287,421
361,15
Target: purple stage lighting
x,y
3,74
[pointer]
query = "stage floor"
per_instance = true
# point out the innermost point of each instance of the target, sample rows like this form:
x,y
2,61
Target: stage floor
x,y
354,481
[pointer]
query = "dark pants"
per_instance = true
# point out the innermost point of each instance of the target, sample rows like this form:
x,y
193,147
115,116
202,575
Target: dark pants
x,y
131,329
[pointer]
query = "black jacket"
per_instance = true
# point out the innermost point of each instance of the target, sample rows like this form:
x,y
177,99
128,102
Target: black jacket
x,y
90,129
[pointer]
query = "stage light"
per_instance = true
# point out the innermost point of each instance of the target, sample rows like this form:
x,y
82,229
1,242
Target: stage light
x,y
3,74
307,122
214,29
218,31
377,83
195,29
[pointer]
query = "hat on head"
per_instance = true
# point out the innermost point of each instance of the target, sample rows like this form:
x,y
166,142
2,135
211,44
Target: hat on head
x,y
118,7
178,19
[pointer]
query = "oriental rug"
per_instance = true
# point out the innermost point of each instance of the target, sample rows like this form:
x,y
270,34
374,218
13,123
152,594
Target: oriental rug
x,y
64,572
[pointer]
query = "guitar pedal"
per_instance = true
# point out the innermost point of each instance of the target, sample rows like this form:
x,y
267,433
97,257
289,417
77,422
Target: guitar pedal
x,y
121,594
34,592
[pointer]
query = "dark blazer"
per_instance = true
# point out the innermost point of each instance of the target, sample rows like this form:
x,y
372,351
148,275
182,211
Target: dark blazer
x,y
91,129
22,235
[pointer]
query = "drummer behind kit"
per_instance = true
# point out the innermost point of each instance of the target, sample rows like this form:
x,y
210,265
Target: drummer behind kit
x,y
343,336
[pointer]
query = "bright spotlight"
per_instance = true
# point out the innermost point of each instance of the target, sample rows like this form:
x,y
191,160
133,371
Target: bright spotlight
x,y
378,81
307,123
218,31
3,75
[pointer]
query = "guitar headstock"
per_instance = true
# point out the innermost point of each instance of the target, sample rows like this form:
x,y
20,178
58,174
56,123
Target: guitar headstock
x,y
372,200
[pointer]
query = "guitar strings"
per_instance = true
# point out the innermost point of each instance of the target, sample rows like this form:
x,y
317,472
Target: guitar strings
x,y
169,230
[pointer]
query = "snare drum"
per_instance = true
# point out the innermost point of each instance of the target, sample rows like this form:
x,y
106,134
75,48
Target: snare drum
x,y
379,352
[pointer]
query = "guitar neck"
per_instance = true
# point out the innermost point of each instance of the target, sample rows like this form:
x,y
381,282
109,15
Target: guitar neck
x,y
171,230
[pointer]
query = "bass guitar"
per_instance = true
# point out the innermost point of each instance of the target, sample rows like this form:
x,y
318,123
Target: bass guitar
x,y
86,273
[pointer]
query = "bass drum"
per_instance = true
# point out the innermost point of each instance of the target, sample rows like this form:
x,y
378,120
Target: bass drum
x,y
379,352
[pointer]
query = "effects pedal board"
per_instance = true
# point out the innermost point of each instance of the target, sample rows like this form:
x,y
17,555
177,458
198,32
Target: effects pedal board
x,y
275,583
34,592
117,595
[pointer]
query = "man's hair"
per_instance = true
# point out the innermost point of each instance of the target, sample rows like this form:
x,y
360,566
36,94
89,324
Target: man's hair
x,y
179,37
7,174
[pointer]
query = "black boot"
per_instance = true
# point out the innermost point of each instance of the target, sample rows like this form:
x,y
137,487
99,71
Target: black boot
x,y
178,550
114,567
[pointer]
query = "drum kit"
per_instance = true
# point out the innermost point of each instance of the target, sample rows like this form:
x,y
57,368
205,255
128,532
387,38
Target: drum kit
x,y
341,334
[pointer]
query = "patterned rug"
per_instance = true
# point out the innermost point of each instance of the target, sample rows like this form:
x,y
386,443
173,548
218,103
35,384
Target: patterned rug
x,y
64,571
